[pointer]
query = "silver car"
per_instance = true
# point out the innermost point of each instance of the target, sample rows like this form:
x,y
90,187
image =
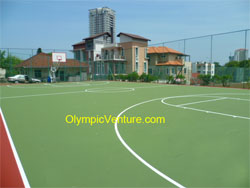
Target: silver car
x,y
22,79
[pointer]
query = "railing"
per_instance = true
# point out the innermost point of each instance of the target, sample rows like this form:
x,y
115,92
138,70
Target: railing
x,y
114,57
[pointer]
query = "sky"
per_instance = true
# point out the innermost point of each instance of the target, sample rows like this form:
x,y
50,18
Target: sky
x,y
57,24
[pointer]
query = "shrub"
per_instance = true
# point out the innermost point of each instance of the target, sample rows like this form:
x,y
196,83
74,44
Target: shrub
x,y
122,77
133,77
110,77
170,79
180,79
226,80
206,79
143,77
151,78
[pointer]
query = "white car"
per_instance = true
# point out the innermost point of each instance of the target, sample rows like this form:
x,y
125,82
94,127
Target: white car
x,y
22,79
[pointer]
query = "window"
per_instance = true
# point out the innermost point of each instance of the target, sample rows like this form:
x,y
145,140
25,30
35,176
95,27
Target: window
x,y
145,67
77,55
146,52
102,68
117,71
136,53
122,53
38,73
112,54
83,56
167,71
185,70
173,70
106,54
123,68
136,67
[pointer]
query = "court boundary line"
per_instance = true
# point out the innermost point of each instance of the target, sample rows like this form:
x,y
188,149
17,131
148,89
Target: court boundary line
x,y
200,110
197,102
71,92
39,95
138,156
62,93
18,161
57,85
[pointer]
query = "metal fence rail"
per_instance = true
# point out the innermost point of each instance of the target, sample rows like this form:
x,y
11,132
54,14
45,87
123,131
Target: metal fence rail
x,y
220,48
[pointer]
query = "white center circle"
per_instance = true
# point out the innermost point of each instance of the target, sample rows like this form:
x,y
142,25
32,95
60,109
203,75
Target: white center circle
x,y
109,90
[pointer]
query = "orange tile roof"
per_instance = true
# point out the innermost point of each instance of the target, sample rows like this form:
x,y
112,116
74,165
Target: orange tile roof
x,y
162,49
170,63
44,60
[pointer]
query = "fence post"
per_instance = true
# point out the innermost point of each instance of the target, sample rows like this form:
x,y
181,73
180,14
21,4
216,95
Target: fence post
x,y
8,57
48,69
211,49
31,63
184,50
246,39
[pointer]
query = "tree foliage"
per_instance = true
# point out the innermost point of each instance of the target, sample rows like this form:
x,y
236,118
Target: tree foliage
x,y
217,64
206,79
39,50
9,62
244,64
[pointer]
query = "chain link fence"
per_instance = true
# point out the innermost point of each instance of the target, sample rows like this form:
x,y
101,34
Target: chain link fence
x,y
217,49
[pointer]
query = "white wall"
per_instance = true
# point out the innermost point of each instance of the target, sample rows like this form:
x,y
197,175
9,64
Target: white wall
x,y
98,50
124,38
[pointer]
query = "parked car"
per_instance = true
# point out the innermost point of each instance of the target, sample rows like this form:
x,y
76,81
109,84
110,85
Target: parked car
x,y
22,79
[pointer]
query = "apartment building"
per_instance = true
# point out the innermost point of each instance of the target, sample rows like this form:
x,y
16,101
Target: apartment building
x,y
102,20
240,54
203,68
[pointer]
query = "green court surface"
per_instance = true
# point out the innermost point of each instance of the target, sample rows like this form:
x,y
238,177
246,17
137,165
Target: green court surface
x,y
204,141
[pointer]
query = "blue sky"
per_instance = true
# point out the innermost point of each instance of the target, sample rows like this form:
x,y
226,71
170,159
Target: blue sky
x,y
60,23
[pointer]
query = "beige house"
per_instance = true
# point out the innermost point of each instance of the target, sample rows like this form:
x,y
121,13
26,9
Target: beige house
x,y
166,61
130,55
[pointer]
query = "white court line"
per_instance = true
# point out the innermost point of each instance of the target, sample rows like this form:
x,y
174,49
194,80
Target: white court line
x,y
136,155
57,85
109,90
180,105
139,157
149,87
239,99
19,164
200,110
60,93
39,95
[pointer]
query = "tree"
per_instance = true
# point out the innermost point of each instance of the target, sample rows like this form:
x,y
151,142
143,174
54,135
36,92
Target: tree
x,y
232,64
244,64
217,64
39,50
9,63
206,79
2,56
226,80
215,79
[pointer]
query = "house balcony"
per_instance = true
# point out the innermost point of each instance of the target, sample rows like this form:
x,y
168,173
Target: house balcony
x,y
114,58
